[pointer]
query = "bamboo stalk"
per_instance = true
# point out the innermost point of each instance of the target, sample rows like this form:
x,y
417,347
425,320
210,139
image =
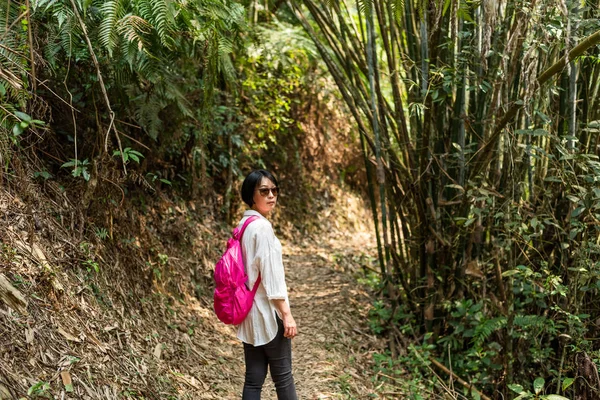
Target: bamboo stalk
x,y
483,154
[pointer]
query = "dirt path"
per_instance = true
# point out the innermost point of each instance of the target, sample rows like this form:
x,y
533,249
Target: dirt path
x,y
331,354
112,340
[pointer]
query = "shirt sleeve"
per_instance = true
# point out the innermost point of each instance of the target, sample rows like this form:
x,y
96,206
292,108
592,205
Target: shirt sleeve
x,y
269,262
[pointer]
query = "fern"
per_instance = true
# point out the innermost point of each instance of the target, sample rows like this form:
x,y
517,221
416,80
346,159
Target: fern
x,y
144,9
365,7
485,329
397,7
284,42
160,14
534,323
141,43
147,113
133,28
108,35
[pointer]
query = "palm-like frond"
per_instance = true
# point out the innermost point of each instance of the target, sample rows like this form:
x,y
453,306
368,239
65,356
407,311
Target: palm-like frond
x,y
134,29
397,7
108,34
286,42
365,6
161,19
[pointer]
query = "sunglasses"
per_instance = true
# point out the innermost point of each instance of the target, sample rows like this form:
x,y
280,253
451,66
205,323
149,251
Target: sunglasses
x,y
264,192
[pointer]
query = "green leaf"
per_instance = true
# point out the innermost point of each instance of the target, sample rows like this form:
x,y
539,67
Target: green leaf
x,y
44,174
23,117
554,397
538,385
516,388
455,186
17,130
540,132
543,116
523,396
566,383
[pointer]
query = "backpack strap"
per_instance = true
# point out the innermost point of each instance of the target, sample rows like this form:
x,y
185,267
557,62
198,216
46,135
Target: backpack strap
x,y
243,229
250,219
255,288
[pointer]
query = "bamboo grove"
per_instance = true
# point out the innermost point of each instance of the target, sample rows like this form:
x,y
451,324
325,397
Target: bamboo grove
x,y
479,122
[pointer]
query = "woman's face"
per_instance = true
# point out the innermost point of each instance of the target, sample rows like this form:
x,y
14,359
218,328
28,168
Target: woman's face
x,y
265,197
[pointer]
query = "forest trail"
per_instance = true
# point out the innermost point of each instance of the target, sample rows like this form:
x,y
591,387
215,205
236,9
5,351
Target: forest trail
x,y
331,354
108,332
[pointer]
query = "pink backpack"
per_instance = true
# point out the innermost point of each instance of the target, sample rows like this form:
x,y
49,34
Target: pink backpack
x,y
232,299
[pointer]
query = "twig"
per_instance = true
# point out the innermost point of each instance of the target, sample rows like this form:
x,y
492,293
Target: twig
x,y
128,124
102,86
458,379
136,141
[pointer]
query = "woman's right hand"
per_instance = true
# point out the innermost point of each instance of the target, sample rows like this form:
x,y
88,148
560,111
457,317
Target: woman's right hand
x,y
289,324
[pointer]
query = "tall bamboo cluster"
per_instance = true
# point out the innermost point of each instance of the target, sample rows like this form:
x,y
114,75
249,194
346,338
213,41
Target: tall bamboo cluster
x,y
465,110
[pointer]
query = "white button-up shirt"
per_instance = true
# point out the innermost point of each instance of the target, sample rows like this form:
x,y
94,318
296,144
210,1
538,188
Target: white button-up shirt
x,y
262,253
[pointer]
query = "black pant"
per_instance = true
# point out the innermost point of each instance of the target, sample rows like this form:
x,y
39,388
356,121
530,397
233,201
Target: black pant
x,y
277,355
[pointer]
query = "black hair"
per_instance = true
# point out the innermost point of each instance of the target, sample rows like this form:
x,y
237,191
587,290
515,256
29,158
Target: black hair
x,y
252,181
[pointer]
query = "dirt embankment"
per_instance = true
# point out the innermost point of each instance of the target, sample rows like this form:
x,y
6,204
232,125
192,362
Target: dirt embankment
x,y
117,304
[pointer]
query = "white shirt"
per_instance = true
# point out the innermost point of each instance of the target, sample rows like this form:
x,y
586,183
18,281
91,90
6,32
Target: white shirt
x,y
262,253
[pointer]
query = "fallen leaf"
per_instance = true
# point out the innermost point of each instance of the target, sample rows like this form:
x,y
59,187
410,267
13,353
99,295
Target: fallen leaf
x,y
11,296
66,378
158,351
68,336
29,335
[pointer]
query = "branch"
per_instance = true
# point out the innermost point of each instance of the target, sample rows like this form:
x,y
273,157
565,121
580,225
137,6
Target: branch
x,y
578,50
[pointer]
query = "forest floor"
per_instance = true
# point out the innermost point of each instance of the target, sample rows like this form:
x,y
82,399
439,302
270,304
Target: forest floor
x,y
91,318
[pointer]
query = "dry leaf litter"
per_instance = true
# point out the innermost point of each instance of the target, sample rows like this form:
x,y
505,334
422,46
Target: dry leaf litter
x,y
85,320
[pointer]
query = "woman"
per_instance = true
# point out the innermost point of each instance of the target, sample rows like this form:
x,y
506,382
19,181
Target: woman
x,y
269,327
